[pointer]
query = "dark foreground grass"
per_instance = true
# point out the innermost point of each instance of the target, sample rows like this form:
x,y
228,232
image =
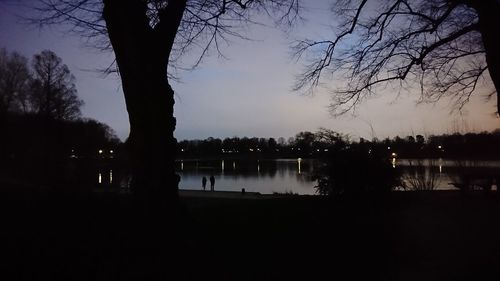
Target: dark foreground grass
x,y
401,236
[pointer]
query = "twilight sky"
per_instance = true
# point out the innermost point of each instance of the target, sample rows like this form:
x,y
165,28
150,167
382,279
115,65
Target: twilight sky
x,y
248,94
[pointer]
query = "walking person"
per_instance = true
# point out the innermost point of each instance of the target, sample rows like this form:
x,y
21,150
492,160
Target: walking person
x,y
204,183
212,182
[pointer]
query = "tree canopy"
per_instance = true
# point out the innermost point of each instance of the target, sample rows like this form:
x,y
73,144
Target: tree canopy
x,y
47,88
14,80
53,92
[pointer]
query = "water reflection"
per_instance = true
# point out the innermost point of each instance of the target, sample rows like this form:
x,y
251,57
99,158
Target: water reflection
x,y
295,175
430,174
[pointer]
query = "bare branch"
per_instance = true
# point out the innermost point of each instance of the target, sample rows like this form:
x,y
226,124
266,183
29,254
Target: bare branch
x,y
205,25
436,44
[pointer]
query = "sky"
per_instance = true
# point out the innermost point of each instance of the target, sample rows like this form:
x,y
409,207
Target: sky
x,y
249,92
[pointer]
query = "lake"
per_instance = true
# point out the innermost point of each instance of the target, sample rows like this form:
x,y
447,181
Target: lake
x,y
295,176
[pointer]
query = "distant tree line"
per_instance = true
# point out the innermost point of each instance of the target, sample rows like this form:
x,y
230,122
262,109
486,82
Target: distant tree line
x,y
319,144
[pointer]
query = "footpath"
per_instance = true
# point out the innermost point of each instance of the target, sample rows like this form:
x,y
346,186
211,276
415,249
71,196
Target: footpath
x,y
223,194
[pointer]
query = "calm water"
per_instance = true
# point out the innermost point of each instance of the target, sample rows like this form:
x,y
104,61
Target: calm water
x,y
294,176
441,174
264,176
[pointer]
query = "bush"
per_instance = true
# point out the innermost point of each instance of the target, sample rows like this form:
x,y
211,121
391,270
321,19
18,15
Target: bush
x,y
355,171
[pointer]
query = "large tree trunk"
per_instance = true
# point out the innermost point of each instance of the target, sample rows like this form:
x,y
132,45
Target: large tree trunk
x,y
150,103
142,56
489,22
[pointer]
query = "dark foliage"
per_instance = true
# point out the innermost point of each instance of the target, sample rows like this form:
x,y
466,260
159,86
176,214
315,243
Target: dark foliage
x,y
52,152
14,82
353,171
52,90
47,88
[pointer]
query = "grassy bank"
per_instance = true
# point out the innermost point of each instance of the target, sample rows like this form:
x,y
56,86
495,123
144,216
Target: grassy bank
x,y
402,236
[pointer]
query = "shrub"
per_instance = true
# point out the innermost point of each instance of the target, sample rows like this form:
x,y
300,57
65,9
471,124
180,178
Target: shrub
x,y
355,171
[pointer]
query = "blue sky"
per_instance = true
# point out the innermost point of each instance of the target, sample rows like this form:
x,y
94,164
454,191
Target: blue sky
x,y
248,94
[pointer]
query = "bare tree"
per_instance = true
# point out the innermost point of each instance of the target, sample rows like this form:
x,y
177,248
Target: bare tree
x,y
148,38
447,47
52,92
14,80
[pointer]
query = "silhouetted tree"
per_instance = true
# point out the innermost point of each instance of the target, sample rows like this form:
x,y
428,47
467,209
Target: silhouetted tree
x,y
52,91
281,141
148,37
14,80
420,140
330,137
272,145
447,46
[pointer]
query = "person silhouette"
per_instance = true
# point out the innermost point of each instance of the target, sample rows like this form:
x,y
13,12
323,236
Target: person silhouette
x,y
212,182
204,182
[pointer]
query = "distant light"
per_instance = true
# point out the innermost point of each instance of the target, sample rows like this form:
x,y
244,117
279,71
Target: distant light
x,y
439,147
326,149
393,154
388,147
251,149
299,159
317,150
111,151
100,151
369,151
182,149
